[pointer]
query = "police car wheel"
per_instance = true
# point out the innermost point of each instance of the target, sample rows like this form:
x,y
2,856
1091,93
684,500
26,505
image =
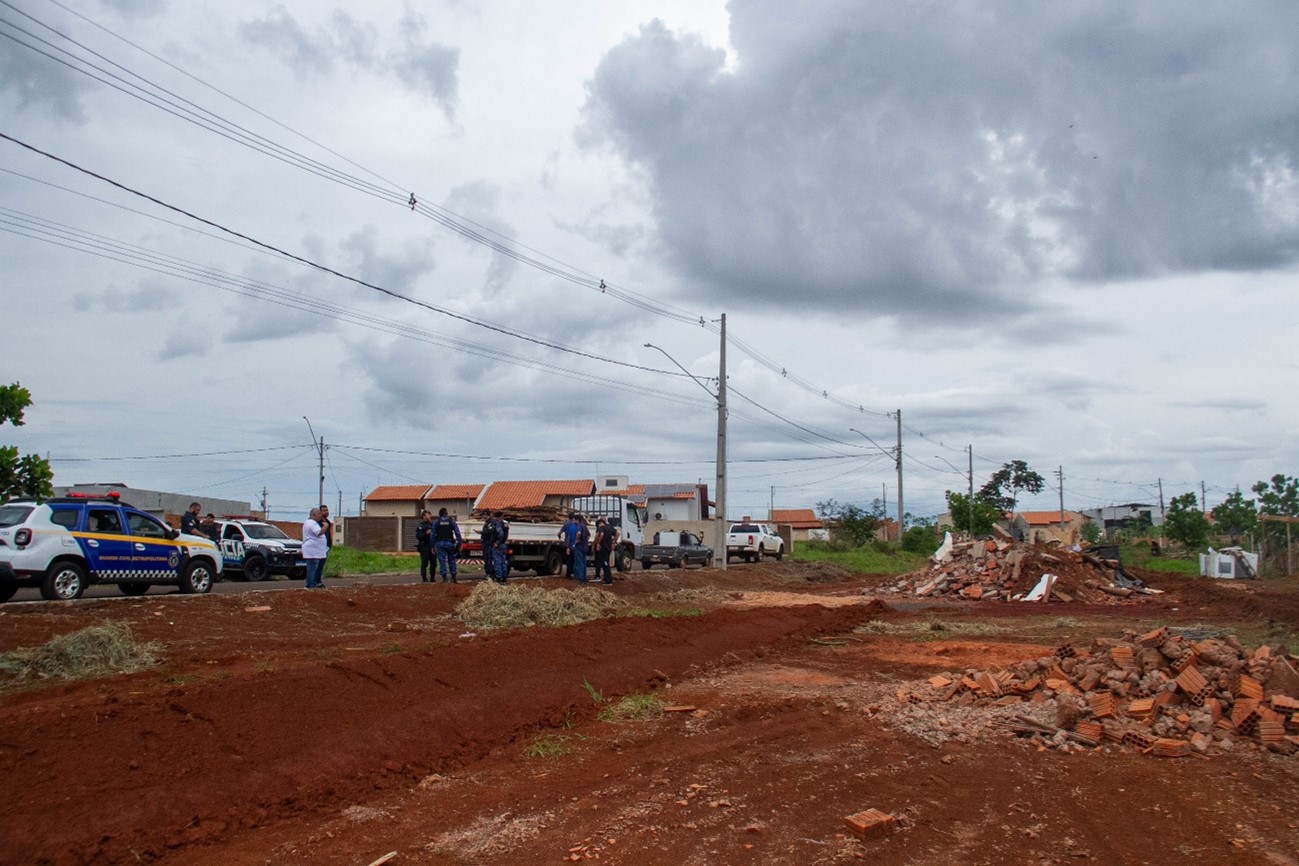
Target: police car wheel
x,y
197,577
133,589
63,582
254,568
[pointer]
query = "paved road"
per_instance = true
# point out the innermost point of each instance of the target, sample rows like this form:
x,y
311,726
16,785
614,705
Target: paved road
x,y
237,586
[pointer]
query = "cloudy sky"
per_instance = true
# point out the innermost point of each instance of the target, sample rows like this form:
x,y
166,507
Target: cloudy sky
x,y
1061,233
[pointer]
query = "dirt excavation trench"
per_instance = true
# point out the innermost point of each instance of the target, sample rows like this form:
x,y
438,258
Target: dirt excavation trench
x,y
340,727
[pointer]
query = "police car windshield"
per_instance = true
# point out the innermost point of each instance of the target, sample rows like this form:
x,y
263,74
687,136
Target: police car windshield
x,y
263,530
12,515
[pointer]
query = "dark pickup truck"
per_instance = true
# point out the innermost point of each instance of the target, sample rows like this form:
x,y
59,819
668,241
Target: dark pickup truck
x,y
675,549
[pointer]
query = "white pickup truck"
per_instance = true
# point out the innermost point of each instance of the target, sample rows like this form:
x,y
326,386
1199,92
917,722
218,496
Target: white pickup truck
x,y
753,541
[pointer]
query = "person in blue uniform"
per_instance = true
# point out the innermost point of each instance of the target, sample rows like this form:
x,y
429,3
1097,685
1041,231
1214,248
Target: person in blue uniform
x,y
446,540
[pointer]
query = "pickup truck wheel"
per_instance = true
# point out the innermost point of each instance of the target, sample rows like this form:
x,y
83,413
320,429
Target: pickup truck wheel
x,y
680,563
197,577
7,591
780,553
133,589
645,564
254,568
63,582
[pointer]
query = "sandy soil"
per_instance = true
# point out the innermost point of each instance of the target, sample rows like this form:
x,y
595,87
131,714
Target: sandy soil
x,y
339,726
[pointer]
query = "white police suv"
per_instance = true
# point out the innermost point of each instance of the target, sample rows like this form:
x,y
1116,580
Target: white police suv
x,y
259,550
65,544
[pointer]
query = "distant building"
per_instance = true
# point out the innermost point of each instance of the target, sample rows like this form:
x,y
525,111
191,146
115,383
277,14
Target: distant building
x,y
396,500
1036,527
168,506
803,522
1114,518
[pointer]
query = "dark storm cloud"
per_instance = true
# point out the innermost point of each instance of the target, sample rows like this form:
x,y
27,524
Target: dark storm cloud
x,y
933,160
423,66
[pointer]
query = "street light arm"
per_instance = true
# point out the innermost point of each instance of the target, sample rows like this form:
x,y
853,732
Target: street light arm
x,y
887,452
684,370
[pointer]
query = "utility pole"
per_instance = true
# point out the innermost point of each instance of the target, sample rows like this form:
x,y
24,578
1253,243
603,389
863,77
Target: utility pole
x,y
266,512
901,520
1204,499
320,447
719,551
970,451
1059,475
771,505
1161,512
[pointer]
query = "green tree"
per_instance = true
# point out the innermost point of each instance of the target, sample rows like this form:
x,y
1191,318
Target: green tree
x,y
1091,532
1280,498
1185,522
1003,488
851,524
979,522
26,474
921,536
1236,516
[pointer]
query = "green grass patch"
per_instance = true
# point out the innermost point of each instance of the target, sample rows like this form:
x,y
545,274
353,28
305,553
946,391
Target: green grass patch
x,y
593,692
1170,562
97,651
491,605
548,746
666,612
345,561
633,708
870,559
930,629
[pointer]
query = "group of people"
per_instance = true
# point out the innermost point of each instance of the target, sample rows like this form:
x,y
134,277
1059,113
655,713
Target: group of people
x,y
192,525
578,545
438,538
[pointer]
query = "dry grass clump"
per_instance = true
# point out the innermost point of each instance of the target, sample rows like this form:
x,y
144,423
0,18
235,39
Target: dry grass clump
x,y
96,651
929,628
633,708
491,605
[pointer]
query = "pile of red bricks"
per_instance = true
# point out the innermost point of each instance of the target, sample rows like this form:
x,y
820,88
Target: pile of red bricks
x,y
1163,693
1005,571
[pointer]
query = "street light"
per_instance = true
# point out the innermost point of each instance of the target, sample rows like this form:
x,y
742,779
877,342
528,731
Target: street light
x,y
896,454
970,499
719,493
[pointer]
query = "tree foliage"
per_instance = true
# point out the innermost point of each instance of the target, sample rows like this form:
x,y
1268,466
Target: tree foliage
x,y
1236,517
921,536
980,522
851,524
20,474
1003,488
1185,522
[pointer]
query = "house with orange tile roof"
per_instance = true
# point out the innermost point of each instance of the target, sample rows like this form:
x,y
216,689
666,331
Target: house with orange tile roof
x,y
457,499
504,495
396,500
803,522
1042,527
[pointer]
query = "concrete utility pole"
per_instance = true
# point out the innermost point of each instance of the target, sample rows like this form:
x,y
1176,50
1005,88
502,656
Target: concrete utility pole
x,y
901,519
970,450
1059,474
320,447
719,494
719,550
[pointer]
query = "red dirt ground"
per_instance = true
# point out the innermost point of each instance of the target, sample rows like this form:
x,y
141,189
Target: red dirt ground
x,y
342,725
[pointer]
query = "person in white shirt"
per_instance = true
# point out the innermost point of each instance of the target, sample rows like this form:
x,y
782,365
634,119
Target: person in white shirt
x,y
315,547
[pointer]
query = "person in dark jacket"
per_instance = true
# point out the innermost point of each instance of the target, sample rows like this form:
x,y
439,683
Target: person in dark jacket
x,y
603,550
424,544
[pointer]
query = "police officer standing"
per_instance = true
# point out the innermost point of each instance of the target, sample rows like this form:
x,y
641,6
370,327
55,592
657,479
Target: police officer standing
x,y
424,544
189,522
446,540
500,534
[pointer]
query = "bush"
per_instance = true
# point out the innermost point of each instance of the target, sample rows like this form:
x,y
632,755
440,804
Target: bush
x,y
921,538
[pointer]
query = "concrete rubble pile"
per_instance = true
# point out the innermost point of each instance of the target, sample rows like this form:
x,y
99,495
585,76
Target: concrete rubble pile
x,y
1003,570
1162,693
